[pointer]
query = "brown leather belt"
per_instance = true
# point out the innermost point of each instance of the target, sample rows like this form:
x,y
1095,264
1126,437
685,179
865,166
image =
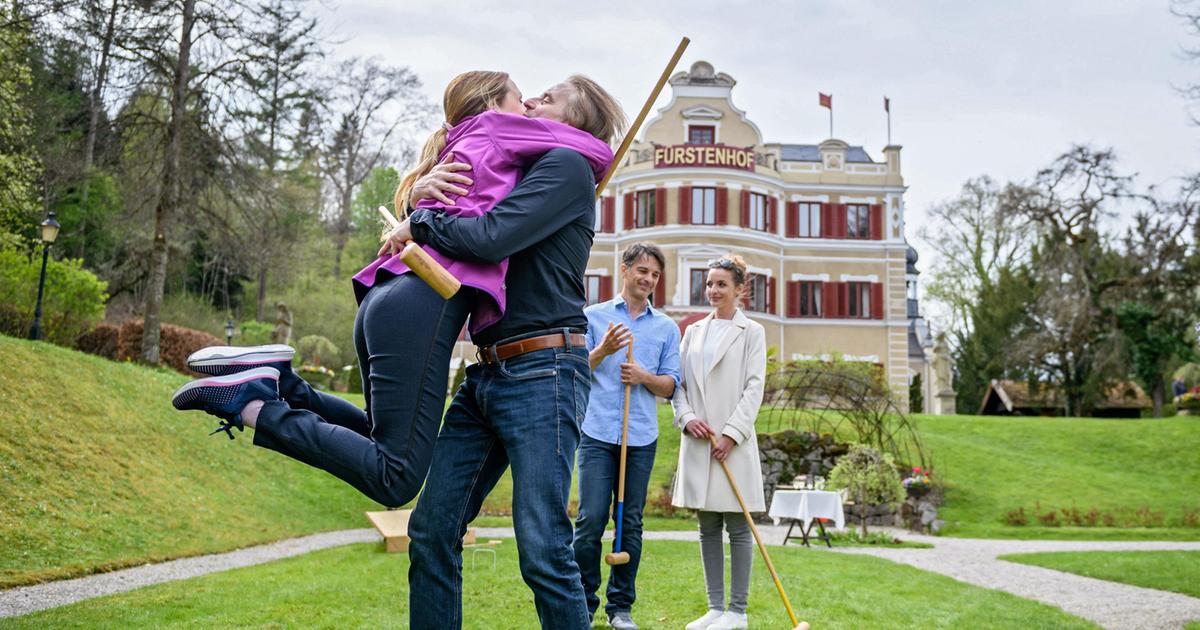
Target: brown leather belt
x,y
490,355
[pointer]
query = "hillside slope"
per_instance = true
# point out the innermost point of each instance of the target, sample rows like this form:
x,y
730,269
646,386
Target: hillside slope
x,y
98,471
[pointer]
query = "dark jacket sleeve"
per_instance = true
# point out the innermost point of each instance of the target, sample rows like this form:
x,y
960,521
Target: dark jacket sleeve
x,y
553,194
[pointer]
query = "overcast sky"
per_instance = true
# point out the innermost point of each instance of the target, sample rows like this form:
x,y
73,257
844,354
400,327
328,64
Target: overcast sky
x,y
997,88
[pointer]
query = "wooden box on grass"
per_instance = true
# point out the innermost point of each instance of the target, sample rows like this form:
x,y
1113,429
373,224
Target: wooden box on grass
x,y
393,525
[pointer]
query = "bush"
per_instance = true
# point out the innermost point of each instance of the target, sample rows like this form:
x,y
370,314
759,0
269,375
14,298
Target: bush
x,y
175,344
354,384
316,350
73,300
100,341
869,477
323,306
255,333
193,311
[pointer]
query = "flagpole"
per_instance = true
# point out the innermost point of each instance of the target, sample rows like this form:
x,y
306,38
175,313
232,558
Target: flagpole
x,y
831,120
887,107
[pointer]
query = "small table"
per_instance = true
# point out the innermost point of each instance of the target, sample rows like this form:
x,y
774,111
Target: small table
x,y
809,508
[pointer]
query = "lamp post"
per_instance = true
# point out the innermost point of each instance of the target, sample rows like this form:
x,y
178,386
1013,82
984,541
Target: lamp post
x,y
229,332
49,233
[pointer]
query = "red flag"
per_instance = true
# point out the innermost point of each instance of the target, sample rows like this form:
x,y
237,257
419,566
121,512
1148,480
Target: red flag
x,y
826,100
887,105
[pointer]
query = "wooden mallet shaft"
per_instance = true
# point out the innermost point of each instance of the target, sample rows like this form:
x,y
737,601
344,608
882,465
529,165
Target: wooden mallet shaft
x,y
761,547
423,264
641,117
618,556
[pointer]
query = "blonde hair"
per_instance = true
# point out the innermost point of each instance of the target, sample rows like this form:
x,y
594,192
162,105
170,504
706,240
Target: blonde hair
x,y
592,109
732,263
468,94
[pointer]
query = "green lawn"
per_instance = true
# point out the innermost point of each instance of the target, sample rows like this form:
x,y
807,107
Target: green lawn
x,y
360,587
994,465
98,471
1177,571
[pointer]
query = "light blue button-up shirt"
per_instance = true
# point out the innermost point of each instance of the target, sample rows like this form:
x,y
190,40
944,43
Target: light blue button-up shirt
x,y
655,348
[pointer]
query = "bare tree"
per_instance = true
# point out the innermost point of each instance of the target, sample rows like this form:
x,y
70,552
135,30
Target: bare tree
x,y
1075,269
277,88
372,102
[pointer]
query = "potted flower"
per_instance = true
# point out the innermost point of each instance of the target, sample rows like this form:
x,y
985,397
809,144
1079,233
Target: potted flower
x,y
1188,403
918,483
318,376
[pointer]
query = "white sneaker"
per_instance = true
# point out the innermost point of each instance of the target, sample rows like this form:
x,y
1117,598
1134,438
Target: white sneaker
x,y
730,621
705,622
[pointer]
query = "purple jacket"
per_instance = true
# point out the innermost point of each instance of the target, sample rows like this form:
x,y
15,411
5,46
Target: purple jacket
x,y
499,147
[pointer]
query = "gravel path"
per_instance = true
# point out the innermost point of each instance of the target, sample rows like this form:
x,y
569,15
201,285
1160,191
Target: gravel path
x,y
26,599
1108,604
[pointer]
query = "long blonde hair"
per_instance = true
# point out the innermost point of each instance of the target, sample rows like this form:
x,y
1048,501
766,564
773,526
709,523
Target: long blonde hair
x,y
468,94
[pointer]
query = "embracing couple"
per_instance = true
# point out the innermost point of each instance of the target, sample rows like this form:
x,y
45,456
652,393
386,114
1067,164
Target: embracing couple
x,y
517,233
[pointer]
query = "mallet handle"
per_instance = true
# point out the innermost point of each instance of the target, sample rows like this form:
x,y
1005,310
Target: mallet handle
x,y
754,530
423,264
624,445
641,117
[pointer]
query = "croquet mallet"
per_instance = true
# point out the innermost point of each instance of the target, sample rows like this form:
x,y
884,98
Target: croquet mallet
x,y
797,625
617,556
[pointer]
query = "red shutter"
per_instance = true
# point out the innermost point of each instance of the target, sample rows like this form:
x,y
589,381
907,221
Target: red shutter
x,y
660,292
745,214
839,220
629,215
827,230
876,300
829,300
722,206
772,211
792,220
876,222
771,295
660,206
793,299
843,299
747,292
606,288
608,214
685,205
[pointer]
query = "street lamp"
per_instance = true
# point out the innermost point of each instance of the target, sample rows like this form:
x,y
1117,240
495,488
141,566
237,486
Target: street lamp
x,y
229,332
49,233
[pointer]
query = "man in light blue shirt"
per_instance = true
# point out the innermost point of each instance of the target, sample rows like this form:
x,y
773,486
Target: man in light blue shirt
x,y
653,373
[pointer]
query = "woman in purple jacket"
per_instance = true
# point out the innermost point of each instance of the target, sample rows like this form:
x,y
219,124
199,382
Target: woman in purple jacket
x,y
404,331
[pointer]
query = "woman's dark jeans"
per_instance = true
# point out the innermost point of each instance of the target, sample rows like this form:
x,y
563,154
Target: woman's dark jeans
x,y
404,334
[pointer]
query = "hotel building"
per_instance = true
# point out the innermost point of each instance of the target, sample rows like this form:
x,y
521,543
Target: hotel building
x,y
821,227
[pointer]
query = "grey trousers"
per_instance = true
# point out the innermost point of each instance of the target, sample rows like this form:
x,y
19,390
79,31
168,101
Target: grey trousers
x,y
712,554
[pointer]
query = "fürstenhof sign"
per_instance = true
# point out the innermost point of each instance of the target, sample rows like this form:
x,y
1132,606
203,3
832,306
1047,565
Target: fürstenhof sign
x,y
703,155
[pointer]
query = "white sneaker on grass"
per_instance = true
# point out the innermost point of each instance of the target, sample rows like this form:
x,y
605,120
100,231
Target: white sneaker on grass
x,y
705,622
730,621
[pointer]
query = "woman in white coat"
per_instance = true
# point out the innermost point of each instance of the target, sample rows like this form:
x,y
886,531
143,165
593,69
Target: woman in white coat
x,y
723,359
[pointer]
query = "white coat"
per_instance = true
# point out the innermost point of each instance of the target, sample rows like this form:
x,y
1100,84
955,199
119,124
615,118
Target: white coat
x,y
727,396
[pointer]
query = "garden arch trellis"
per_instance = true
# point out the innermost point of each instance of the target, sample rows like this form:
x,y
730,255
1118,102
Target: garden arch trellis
x,y
848,401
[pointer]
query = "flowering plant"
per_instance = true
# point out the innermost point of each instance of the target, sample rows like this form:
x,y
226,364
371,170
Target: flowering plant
x,y
1188,400
918,480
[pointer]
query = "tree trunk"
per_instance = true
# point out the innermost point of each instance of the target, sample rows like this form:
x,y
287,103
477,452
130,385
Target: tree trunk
x,y
261,311
169,199
862,510
95,104
342,229
1158,393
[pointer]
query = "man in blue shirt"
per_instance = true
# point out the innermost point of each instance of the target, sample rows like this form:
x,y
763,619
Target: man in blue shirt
x,y
653,373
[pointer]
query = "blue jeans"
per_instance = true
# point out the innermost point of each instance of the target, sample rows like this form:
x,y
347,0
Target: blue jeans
x,y
599,478
524,412
404,334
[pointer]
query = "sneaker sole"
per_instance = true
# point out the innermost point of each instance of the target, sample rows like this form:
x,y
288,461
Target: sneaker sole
x,y
190,391
219,356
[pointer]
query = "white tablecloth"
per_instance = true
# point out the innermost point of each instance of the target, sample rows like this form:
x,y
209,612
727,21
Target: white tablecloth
x,y
805,505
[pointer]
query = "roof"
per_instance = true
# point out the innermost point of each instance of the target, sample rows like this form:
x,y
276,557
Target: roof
x,y
811,153
1015,395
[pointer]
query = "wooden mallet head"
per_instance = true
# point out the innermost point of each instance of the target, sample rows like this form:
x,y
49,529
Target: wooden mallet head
x,y
613,559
